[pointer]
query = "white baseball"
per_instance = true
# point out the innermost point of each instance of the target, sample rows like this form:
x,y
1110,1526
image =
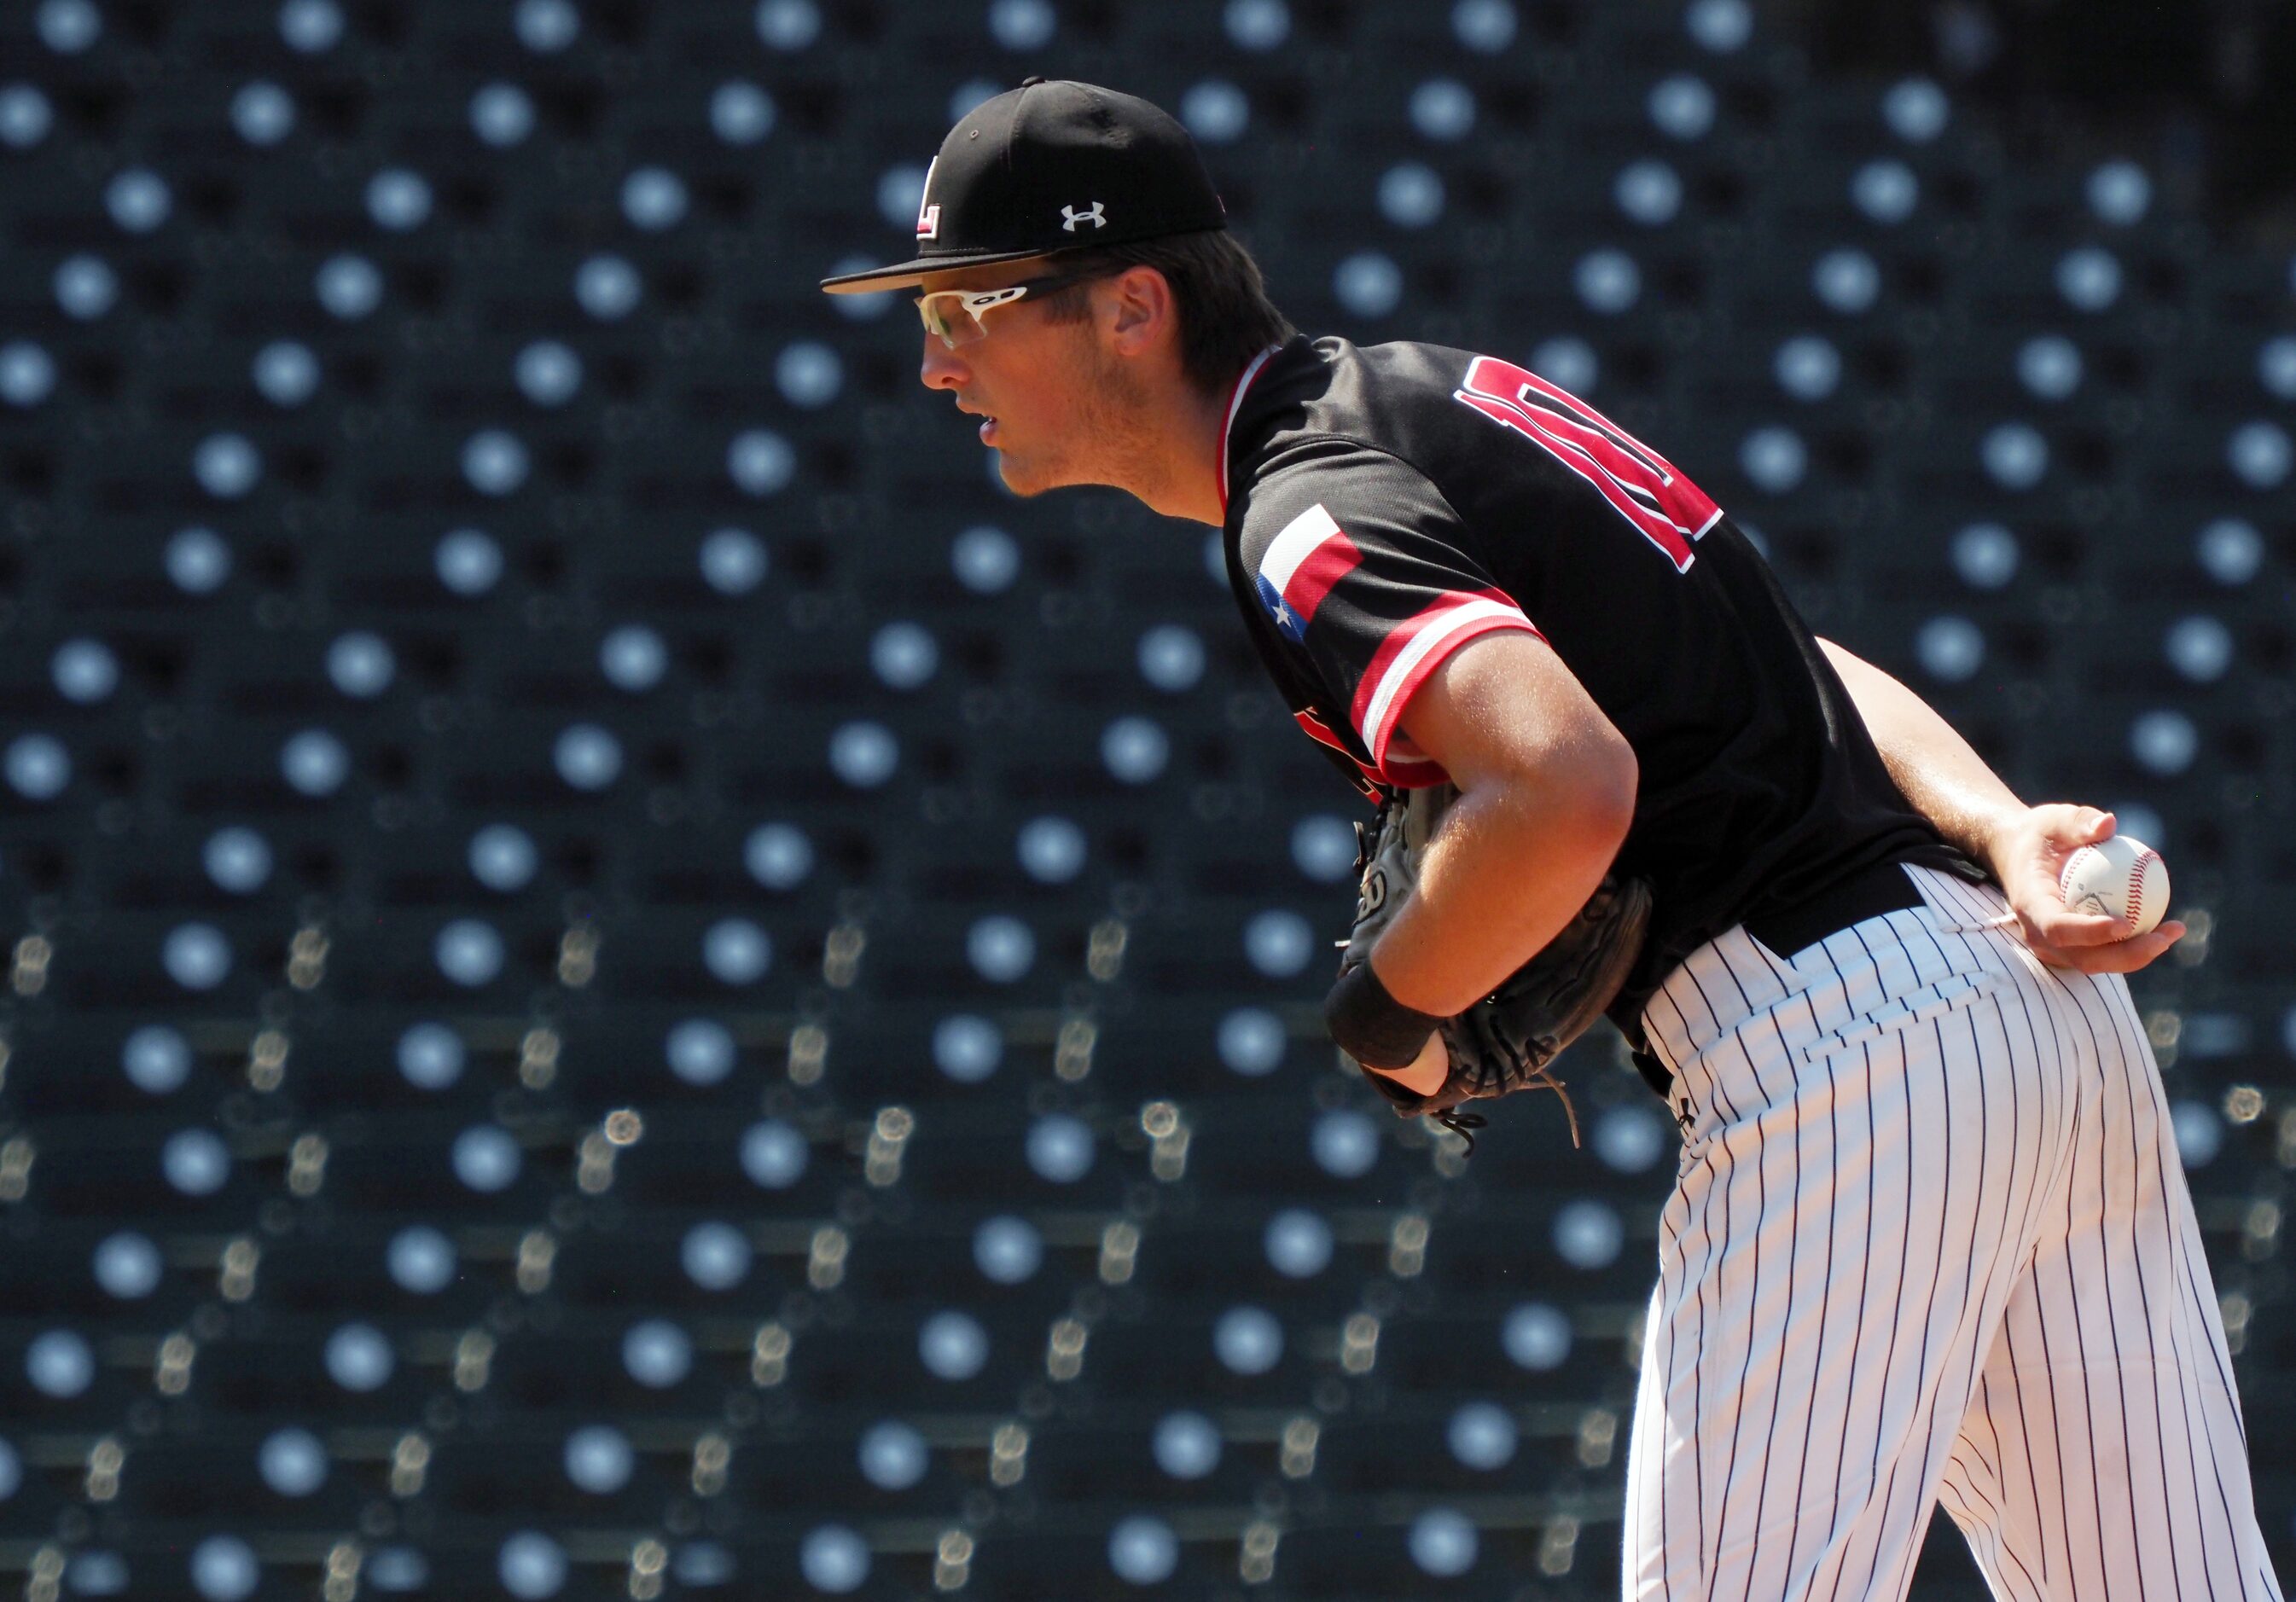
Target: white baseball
x,y
2119,877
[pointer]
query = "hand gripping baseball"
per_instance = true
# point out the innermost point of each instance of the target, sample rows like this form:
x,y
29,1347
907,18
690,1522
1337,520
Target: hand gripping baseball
x,y
1508,1040
2030,857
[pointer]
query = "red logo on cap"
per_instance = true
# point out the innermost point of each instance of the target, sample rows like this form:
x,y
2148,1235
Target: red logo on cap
x,y
928,216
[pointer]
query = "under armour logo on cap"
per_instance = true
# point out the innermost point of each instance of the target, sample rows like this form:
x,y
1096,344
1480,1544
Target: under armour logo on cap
x,y
1070,217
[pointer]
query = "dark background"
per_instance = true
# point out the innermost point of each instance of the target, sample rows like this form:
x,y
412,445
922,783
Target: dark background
x,y
556,881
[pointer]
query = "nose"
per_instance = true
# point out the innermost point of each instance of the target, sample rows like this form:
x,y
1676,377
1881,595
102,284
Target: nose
x,y
941,367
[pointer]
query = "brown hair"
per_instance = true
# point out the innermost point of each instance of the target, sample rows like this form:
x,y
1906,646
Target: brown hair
x,y
1226,316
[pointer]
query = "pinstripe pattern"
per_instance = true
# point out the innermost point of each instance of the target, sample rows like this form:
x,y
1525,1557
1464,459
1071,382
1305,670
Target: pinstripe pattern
x,y
1930,1244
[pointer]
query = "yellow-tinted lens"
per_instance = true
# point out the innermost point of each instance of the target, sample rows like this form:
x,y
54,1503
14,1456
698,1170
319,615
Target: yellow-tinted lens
x,y
945,315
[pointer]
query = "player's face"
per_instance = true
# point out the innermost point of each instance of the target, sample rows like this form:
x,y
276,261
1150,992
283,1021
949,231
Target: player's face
x,y
1045,391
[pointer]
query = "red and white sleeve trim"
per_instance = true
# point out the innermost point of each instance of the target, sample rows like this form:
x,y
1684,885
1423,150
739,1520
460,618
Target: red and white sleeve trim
x,y
1415,649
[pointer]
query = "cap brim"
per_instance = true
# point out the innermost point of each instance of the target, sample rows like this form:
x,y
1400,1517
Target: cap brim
x,y
906,274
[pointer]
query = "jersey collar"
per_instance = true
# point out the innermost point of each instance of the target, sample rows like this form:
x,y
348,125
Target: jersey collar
x,y
1234,404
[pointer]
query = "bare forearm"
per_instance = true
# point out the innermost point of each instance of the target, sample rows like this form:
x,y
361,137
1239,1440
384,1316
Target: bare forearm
x,y
1506,868
1946,782
1546,794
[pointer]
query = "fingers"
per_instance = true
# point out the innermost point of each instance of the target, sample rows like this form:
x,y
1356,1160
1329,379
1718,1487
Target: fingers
x,y
2079,928
2118,957
2056,832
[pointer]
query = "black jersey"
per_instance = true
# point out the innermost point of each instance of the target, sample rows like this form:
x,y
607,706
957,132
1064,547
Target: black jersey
x,y
1386,504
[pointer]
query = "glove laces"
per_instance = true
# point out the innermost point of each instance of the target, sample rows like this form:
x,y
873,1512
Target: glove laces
x,y
1367,834
1543,1078
1459,1124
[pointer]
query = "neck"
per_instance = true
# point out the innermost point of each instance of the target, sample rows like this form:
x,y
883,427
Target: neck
x,y
1180,475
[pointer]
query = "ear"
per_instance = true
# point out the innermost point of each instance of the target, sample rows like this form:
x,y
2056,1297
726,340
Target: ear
x,y
1140,309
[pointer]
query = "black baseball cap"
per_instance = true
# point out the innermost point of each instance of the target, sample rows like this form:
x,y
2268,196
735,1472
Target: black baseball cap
x,y
1051,165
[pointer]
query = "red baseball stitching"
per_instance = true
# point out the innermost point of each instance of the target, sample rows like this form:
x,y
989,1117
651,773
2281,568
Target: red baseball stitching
x,y
2142,876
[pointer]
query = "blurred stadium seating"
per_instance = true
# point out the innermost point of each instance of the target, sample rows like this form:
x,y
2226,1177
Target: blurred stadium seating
x,y
626,978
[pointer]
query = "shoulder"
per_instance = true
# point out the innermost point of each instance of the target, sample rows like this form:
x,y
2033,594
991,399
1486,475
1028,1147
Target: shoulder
x,y
1380,396
1378,393
1334,480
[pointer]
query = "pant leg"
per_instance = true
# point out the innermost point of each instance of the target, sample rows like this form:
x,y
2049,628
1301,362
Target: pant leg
x,y
2103,1456
1871,1126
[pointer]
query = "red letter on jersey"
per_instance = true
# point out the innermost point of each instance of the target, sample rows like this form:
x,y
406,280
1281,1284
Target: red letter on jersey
x,y
1670,509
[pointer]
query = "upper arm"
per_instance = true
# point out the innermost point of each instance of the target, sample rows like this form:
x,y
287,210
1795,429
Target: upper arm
x,y
1858,676
1503,708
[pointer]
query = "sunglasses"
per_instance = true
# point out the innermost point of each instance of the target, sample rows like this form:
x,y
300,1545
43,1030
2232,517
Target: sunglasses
x,y
955,315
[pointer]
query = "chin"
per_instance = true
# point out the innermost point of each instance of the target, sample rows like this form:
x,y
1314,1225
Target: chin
x,y
1020,481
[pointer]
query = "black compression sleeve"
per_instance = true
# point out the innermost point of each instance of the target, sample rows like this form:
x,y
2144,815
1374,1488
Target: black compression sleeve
x,y
1371,1025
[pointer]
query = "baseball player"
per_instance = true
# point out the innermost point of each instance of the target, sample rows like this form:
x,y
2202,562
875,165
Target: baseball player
x,y
1928,1240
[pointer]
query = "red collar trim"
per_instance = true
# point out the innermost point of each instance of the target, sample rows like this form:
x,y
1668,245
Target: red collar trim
x,y
1234,404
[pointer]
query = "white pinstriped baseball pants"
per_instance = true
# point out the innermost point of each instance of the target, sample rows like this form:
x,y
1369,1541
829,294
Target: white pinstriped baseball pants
x,y
1930,1242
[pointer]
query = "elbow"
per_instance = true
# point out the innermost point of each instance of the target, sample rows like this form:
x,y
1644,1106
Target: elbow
x,y
1608,798
1586,804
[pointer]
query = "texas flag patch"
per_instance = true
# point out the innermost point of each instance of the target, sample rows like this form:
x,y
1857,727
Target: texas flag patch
x,y
1303,563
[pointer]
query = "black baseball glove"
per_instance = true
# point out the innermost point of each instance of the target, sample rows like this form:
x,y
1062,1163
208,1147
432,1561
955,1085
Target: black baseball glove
x,y
1507,1040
